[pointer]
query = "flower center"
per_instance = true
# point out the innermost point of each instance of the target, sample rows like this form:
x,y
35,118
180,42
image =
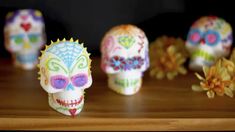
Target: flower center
x,y
117,63
215,83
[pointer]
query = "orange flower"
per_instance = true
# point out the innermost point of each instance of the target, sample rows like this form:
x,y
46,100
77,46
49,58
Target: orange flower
x,y
232,71
218,79
167,56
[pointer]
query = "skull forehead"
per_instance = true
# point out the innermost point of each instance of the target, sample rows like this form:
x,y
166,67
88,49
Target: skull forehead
x,y
66,51
125,30
213,23
26,16
35,14
124,40
124,48
24,12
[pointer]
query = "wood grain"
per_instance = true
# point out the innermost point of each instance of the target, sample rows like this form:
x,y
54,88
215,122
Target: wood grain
x,y
159,105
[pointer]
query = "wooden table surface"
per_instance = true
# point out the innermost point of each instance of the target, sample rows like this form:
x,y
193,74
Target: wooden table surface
x,y
159,105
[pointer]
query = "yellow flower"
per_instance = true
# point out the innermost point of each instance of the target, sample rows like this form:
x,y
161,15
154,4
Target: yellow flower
x,y
218,79
167,56
232,70
232,57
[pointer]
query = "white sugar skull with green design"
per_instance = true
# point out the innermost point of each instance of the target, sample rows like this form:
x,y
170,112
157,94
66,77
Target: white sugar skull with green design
x,y
124,58
24,33
209,38
65,74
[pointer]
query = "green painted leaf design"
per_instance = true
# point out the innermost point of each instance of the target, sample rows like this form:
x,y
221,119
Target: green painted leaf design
x,y
82,62
53,64
126,41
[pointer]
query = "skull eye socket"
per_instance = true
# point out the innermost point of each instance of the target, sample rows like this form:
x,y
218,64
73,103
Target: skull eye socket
x,y
33,38
137,62
59,82
194,36
212,37
18,39
79,80
117,62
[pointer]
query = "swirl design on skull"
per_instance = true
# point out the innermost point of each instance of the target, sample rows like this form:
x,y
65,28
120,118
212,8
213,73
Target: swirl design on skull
x,y
82,62
53,64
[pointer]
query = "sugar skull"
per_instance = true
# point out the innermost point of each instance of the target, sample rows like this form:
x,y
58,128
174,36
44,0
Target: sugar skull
x,y
124,58
24,34
209,38
64,75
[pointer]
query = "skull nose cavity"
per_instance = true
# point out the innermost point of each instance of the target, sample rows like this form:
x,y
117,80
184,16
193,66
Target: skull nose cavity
x,y
202,41
69,87
26,45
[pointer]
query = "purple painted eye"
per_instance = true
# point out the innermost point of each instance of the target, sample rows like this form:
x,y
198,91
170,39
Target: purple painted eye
x,y
79,80
59,82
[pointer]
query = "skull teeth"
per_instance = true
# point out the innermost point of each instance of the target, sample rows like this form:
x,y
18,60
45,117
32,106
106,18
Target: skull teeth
x,y
69,103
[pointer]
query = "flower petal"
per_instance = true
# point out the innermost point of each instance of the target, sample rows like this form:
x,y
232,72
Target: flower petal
x,y
205,70
170,75
182,70
181,60
218,64
199,77
204,86
210,94
232,86
224,75
228,92
197,88
160,75
219,92
152,72
227,62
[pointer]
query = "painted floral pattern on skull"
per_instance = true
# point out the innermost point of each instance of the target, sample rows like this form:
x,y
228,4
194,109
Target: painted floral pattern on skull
x,y
125,57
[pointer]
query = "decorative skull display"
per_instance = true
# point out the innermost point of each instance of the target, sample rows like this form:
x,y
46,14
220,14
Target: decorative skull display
x,y
209,38
24,33
124,58
64,74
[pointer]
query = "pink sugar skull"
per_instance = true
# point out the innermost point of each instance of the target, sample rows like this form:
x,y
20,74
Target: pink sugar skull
x,y
124,58
24,33
64,75
209,38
